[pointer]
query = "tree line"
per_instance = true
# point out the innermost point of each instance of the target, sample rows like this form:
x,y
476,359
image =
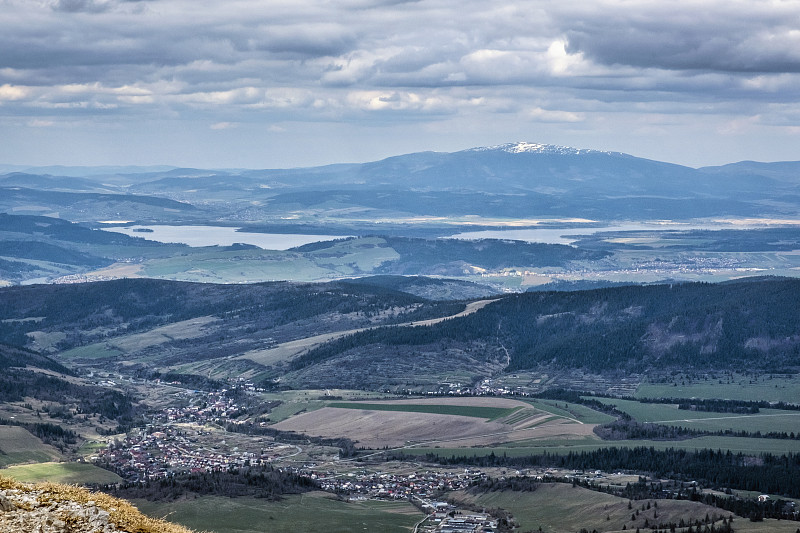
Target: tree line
x,y
257,481
765,473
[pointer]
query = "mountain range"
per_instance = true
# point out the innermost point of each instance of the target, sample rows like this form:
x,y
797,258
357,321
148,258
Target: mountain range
x,y
520,179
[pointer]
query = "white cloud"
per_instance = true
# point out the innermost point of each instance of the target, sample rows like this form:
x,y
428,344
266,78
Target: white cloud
x,y
13,92
547,115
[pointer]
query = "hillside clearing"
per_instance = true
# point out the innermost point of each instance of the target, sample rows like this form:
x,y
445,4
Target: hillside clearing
x,y
18,445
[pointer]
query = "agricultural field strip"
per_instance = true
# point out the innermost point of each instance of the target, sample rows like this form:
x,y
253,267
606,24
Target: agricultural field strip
x,y
426,443
745,445
733,416
556,411
489,413
741,387
657,413
508,416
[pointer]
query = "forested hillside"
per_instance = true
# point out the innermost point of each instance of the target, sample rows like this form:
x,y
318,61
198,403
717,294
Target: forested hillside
x,y
729,325
88,312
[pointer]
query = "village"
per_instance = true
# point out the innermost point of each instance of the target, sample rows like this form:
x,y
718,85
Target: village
x,y
188,440
158,452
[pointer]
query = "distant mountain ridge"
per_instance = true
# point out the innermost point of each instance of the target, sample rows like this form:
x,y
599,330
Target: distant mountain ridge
x,y
525,179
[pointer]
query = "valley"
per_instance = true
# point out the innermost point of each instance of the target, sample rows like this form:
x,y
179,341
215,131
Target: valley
x,y
412,344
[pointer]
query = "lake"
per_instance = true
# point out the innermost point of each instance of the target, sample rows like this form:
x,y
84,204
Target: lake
x,y
570,235
220,236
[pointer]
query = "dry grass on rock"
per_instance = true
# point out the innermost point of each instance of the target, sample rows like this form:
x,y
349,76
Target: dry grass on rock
x,y
55,508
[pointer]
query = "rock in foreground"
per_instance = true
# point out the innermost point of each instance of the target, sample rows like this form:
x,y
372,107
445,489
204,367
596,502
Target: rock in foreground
x,y
54,508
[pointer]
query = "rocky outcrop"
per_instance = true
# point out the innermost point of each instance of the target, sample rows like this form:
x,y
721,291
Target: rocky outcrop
x,y
53,508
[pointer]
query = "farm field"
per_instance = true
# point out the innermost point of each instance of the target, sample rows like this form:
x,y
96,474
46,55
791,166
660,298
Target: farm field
x,y
561,508
764,421
457,422
589,443
18,445
477,411
314,512
581,413
69,473
783,388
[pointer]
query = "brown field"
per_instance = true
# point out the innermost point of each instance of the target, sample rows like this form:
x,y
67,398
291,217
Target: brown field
x,y
376,429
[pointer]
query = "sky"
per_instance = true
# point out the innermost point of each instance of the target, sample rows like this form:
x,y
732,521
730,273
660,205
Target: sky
x,y
276,84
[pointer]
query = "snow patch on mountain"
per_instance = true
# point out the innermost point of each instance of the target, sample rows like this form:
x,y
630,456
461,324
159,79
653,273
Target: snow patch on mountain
x,y
535,148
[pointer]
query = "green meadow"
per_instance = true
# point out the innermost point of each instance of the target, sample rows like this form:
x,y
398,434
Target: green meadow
x,y
753,446
69,473
561,508
768,387
315,512
18,445
575,411
765,420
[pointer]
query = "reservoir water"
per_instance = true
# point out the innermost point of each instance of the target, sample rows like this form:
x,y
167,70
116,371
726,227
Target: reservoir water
x,y
220,236
570,235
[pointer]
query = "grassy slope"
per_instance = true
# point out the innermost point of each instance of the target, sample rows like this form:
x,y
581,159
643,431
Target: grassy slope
x,y
766,420
560,508
740,387
20,446
122,513
72,473
573,411
310,513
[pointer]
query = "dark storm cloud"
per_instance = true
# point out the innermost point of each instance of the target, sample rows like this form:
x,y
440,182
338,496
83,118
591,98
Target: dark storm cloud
x,y
755,37
76,6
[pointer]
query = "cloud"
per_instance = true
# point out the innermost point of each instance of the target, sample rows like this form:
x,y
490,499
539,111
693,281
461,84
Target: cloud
x,y
548,115
76,6
13,92
738,36
346,63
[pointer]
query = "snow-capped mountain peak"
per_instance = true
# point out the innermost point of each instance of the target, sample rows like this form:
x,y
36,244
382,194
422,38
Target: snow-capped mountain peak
x,y
533,148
